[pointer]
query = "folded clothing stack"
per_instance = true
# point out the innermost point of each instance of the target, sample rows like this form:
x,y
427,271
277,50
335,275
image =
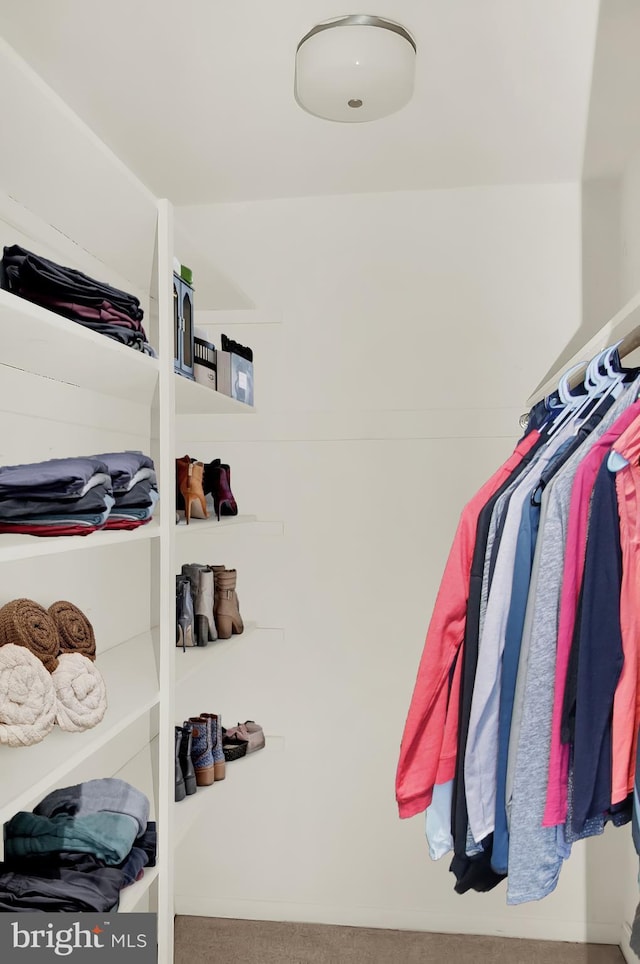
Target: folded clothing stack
x,y
78,849
74,295
135,489
77,496
48,674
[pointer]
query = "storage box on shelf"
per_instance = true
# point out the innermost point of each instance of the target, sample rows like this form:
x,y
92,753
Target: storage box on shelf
x,y
204,368
195,399
183,321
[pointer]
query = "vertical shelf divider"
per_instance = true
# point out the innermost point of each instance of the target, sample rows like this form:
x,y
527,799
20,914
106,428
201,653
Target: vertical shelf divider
x,y
166,575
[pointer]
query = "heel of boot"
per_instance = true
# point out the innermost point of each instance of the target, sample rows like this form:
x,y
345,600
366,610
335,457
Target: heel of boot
x,y
202,630
205,776
190,785
224,625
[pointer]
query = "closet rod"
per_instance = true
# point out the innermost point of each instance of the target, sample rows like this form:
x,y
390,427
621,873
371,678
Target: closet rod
x,y
624,327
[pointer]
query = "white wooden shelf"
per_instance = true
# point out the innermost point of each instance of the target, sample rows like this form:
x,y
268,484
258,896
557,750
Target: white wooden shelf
x,y
246,769
14,547
34,339
195,658
131,679
195,399
624,327
207,525
131,896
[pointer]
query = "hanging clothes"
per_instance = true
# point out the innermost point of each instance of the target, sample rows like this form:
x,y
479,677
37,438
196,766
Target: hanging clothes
x,y
425,754
521,736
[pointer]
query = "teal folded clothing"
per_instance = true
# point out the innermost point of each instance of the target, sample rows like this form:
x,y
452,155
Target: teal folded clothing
x,y
108,836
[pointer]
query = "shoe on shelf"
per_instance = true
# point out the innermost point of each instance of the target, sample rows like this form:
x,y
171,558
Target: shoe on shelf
x,y
216,741
226,606
189,476
201,751
251,732
217,481
186,763
201,580
234,747
180,790
185,619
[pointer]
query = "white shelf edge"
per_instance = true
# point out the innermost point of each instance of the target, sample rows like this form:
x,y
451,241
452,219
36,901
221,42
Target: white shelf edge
x,y
46,326
44,785
202,525
619,327
192,398
188,810
100,737
187,663
131,896
26,546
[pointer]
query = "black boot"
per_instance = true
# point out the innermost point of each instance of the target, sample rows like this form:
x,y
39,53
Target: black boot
x,y
186,763
180,792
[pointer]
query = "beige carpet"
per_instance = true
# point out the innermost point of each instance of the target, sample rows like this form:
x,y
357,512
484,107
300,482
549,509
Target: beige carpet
x,y
206,940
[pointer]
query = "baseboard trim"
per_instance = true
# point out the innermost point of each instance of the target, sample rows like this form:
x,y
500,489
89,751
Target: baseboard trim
x,y
625,945
511,925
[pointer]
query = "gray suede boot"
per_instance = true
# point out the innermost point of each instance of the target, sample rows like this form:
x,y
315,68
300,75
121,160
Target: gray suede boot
x,y
201,579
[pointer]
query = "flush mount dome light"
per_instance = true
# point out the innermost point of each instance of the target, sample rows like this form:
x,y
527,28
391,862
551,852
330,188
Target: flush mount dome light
x,y
356,68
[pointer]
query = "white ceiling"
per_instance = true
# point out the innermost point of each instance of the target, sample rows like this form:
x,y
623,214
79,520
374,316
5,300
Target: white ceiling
x,y
197,97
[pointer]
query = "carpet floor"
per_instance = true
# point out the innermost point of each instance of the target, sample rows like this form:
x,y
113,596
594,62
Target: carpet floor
x,y
207,940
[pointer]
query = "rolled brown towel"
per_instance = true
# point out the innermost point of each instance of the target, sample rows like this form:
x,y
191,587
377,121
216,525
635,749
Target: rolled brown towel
x,y
25,623
74,629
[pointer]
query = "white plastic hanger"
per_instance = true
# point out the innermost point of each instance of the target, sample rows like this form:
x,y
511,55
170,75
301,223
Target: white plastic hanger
x,y
569,402
600,385
613,381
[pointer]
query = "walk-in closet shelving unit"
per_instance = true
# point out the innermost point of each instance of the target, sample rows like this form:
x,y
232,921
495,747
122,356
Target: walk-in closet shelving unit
x,y
66,391
206,541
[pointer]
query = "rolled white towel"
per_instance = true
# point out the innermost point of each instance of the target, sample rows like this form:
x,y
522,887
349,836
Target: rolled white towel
x,y
27,697
80,691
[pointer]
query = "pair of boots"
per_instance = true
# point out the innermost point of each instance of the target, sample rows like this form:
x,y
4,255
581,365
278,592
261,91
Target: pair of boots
x,y
215,605
185,772
206,752
195,480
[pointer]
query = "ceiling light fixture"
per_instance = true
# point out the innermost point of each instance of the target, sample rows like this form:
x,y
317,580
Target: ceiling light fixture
x,y
356,68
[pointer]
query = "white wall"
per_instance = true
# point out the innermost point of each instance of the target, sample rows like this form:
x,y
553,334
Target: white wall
x,y
601,253
396,338
630,227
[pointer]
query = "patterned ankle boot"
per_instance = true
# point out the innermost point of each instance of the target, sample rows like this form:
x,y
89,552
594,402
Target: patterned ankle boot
x,y
201,751
215,722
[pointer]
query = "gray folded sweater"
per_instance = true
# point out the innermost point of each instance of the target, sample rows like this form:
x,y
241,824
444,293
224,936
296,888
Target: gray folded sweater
x,y
96,796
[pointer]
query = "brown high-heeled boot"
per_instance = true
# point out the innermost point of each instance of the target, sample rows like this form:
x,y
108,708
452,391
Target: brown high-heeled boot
x,y
226,609
189,481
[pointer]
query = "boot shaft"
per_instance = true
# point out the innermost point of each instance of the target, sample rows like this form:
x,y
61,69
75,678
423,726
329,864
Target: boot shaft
x,y
226,603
